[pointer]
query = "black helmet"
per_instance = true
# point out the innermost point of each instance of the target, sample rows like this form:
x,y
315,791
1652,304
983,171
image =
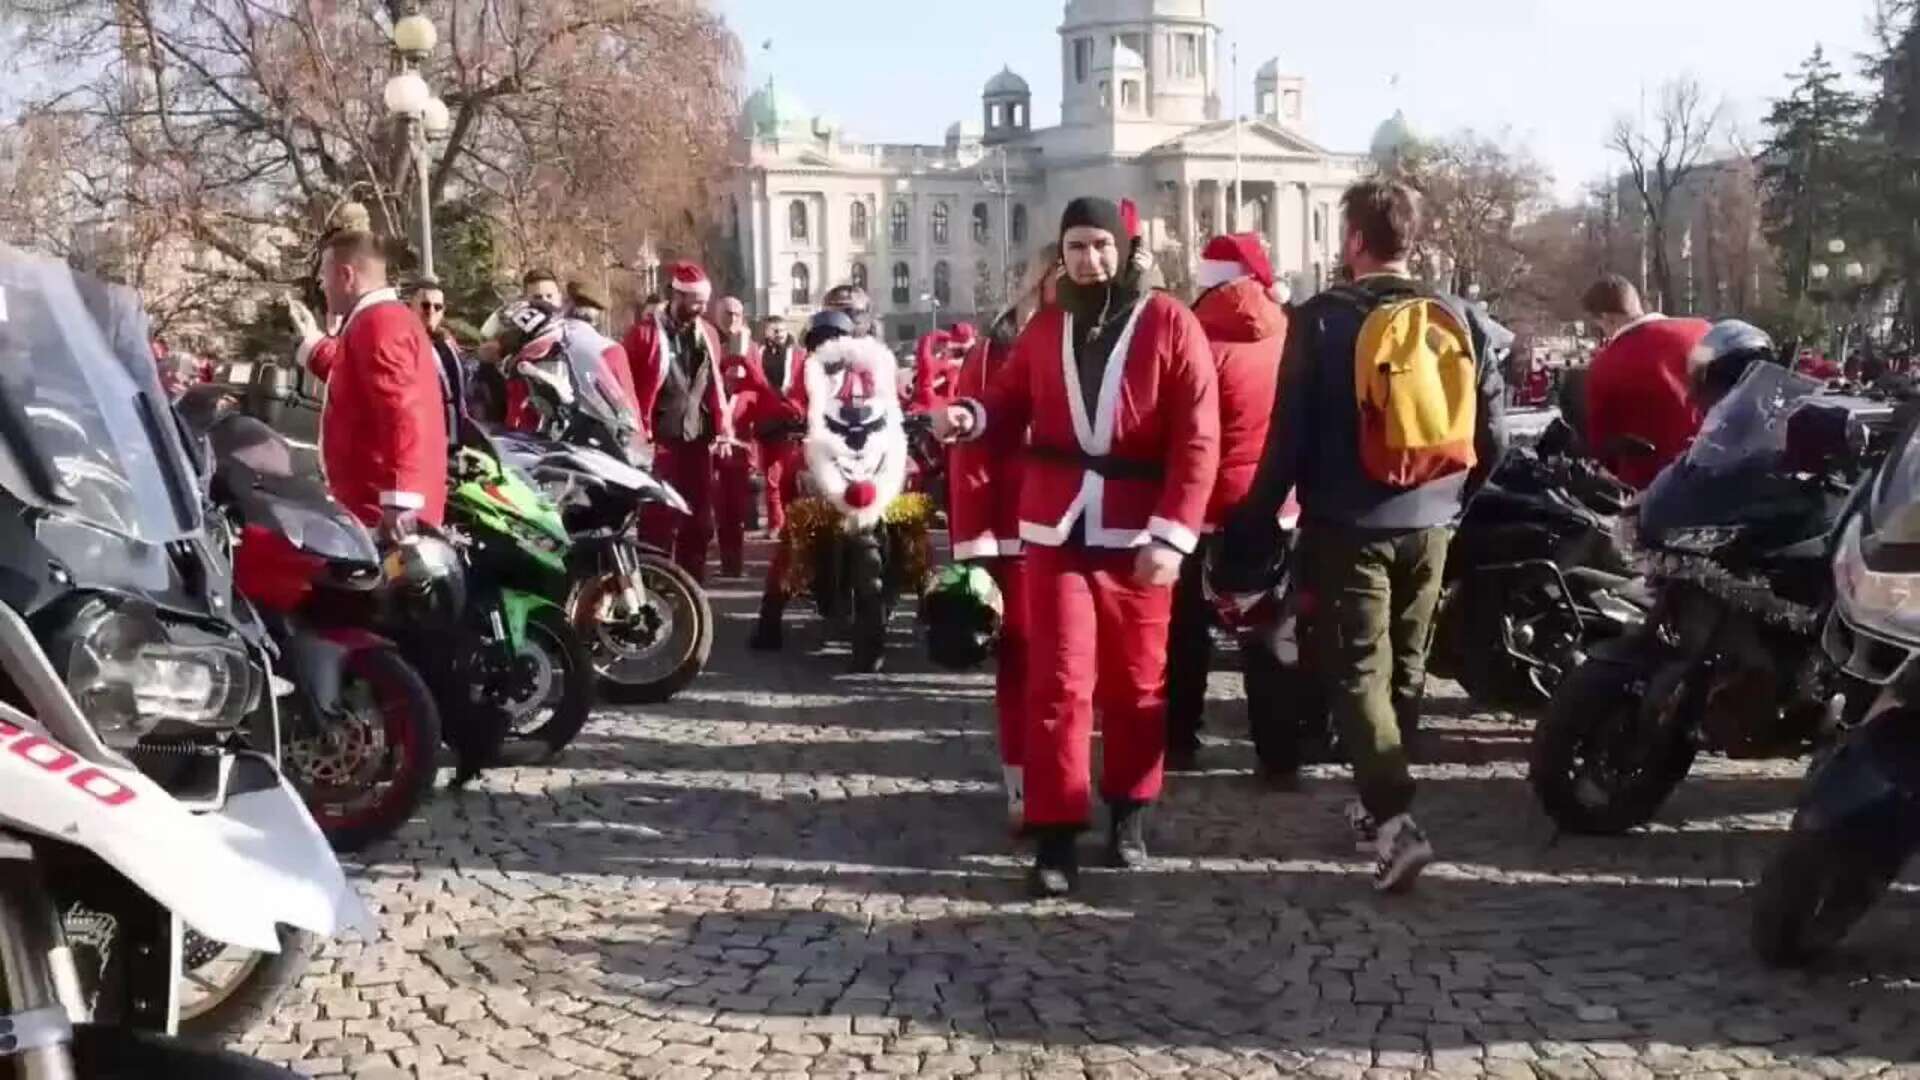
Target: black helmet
x,y
853,301
826,326
526,321
961,611
1717,364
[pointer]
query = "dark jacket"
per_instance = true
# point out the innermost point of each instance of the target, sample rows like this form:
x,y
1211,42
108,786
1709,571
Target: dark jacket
x,y
1313,442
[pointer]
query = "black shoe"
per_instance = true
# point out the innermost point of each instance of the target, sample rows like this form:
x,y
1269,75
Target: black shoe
x,y
767,633
1056,863
1127,836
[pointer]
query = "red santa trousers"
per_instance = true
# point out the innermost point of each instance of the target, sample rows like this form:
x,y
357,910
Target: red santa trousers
x,y
1010,661
1096,639
779,464
733,499
688,468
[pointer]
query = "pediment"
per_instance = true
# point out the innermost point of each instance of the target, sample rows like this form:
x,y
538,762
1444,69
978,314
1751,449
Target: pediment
x,y
1257,138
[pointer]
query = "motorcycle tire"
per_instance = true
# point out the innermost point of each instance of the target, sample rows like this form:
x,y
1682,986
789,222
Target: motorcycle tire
x,y
118,1053
867,569
1810,896
1592,701
251,997
550,631
411,722
693,645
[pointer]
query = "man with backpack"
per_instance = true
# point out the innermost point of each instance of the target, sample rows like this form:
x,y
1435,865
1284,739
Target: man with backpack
x,y
1389,417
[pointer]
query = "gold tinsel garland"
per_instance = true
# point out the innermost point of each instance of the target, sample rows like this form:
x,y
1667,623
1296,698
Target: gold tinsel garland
x,y
810,521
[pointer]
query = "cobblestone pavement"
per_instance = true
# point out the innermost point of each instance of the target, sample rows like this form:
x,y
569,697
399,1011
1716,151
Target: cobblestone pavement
x,y
790,872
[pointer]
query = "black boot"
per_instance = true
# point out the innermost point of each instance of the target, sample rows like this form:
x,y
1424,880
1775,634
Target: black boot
x,y
1127,835
1056,862
767,633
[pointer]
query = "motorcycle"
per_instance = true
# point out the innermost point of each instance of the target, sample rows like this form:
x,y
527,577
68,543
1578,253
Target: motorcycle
x,y
362,728
647,623
1734,540
1533,578
1856,822
135,803
857,540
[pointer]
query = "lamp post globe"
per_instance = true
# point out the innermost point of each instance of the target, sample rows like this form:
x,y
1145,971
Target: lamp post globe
x,y
407,94
415,35
1836,246
436,119
1821,271
1856,272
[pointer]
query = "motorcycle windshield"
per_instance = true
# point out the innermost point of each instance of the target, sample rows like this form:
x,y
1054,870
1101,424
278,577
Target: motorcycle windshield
x,y
1734,457
85,431
1893,510
600,395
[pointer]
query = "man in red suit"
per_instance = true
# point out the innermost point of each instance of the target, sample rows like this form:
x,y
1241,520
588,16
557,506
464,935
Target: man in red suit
x,y
1638,386
733,474
778,368
1115,396
383,434
680,387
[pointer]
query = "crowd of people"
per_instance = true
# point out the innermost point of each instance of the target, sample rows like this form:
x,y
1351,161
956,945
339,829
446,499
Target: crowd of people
x,y
1131,471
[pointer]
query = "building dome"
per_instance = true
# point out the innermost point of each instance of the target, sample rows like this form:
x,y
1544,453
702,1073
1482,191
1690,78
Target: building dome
x,y
1007,84
773,113
1269,70
1393,138
963,131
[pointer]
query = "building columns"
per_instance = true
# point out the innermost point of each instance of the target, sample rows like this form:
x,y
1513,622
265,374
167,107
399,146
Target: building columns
x,y
1189,229
1273,229
1306,236
1221,222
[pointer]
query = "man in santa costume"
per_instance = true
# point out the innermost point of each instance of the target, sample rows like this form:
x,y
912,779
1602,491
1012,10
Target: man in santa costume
x,y
1240,310
1115,397
733,474
383,430
680,388
777,370
1637,386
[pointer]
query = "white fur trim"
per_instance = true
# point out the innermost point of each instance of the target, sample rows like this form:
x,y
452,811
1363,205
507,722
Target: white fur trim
x,y
979,411
699,290
832,465
377,296
403,500
1652,316
980,547
1173,534
1214,273
303,353
663,353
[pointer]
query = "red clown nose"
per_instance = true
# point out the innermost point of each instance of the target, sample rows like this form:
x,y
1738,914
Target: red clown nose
x,y
860,494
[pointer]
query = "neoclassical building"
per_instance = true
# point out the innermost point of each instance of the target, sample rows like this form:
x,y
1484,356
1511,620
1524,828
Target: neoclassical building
x,y
936,230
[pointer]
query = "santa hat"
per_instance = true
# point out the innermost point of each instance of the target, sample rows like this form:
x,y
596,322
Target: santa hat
x,y
690,281
1230,258
962,335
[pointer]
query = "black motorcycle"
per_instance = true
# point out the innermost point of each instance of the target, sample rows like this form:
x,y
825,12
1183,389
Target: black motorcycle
x,y
1858,818
1734,541
1534,578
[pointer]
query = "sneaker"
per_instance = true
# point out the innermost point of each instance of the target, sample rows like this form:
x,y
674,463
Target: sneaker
x,y
1404,852
1366,831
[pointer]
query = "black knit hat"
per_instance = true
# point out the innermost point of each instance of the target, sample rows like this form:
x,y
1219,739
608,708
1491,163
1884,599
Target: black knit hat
x,y
1094,212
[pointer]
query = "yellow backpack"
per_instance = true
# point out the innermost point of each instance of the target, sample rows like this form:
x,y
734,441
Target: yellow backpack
x,y
1415,386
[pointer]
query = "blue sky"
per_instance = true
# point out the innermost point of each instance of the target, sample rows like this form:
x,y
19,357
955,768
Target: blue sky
x,y
1550,73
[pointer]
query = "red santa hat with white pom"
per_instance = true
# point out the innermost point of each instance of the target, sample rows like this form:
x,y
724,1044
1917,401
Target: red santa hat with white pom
x,y
690,281
1229,258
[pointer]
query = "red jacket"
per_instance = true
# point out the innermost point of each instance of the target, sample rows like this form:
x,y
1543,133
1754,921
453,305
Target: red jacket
x,y
933,374
1638,387
983,476
1158,405
1247,330
644,350
383,433
756,400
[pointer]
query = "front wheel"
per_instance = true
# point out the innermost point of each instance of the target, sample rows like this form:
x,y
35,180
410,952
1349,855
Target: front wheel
x,y
117,1053
227,991
364,772
1812,894
647,655
1611,747
551,688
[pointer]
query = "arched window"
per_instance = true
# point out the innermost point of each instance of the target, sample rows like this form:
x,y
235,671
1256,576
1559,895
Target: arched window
x,y
1019,229
981,226
802,285
902,284
858,277
797,220
1319,225
940,223
943,284
857,221
983,293
899,226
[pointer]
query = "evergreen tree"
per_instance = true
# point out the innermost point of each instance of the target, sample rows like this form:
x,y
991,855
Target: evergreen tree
x,y
1809,165
1893,125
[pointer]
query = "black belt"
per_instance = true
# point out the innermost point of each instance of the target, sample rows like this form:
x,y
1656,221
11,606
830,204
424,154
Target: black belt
x,y
1113,468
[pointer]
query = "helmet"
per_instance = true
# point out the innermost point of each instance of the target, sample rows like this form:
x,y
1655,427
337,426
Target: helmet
x,y
423,576
526,321
1723,356
961,611
825,327
853,301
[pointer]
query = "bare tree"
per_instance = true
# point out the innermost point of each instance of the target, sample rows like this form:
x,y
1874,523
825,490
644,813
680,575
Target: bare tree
x,y
1660,155
1479,192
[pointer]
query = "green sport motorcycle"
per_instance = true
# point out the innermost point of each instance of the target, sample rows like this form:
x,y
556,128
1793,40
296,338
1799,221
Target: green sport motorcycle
x,y
530,663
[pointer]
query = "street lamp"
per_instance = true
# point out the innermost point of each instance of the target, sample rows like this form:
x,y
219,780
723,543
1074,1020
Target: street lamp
x,y
422,115
1848,296
1001,185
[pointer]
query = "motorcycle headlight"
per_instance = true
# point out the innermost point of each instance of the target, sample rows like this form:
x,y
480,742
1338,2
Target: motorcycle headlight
x,y
133,675
1701,541
1870,596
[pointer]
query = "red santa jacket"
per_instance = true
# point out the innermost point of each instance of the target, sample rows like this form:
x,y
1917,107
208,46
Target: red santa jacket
x,y
756,400
650,350
1638,387
983,476
1247,330
383,432
1157,412
933,374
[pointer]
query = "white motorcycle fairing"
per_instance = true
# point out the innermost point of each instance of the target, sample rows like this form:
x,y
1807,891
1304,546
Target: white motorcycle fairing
x,y
235,873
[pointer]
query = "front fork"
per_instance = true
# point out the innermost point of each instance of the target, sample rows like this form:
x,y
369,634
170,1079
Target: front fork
x,y
42,986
